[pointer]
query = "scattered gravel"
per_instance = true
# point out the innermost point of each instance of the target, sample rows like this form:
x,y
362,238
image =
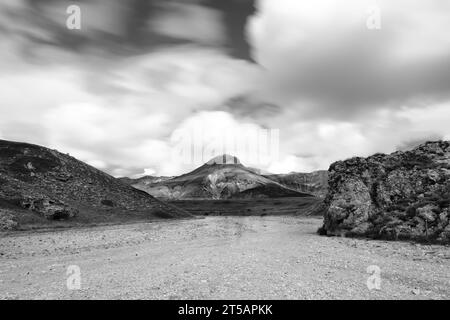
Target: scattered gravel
x,y
217,258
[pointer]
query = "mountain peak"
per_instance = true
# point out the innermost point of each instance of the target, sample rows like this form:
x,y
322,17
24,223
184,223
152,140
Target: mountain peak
x,y
224,159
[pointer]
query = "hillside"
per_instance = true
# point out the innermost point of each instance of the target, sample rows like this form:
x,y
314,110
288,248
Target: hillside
x,y
145,180
222,177
404,195
315,183
38,185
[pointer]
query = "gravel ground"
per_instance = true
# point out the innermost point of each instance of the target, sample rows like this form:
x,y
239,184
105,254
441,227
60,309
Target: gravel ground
x,y
217,258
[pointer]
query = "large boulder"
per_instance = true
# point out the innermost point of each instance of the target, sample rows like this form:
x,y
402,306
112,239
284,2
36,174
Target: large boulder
x,y
404,195
50,209
7,220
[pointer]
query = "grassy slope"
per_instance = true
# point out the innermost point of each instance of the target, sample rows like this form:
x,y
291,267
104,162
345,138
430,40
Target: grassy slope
x,y
253,207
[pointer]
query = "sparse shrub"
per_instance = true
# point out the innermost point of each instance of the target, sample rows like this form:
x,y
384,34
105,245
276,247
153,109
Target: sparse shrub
x,y
322,231
108,203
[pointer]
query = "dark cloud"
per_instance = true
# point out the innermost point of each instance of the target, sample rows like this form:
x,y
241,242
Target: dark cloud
x,y
342,80
236,13
250,107
117,27
328,64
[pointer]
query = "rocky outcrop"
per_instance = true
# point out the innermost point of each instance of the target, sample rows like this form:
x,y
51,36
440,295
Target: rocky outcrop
x,y
404,195
50,209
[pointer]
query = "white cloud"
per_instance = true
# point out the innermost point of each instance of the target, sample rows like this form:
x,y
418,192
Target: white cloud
x,y
290,164
430,118
315,144
184,78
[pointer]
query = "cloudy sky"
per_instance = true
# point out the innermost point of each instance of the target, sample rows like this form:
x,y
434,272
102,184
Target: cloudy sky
x,y
140,75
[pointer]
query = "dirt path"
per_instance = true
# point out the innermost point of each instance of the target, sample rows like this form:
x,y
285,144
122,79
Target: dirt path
x,y
218,258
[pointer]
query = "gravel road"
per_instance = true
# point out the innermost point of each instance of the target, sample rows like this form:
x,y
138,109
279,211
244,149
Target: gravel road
x,y
217,258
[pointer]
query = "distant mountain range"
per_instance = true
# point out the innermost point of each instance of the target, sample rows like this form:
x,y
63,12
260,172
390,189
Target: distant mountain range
x,y
315,183
38,183
225,177
145,180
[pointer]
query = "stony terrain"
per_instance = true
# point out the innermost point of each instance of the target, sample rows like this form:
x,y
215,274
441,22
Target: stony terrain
x,y
217,258
39,185
404,195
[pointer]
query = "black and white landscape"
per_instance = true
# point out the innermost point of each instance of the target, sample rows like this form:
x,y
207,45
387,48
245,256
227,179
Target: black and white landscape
x,y
211,149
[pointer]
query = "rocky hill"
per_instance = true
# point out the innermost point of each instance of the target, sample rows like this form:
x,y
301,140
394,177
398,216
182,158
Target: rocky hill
x,y
315,183
36,182
222,177
404,195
